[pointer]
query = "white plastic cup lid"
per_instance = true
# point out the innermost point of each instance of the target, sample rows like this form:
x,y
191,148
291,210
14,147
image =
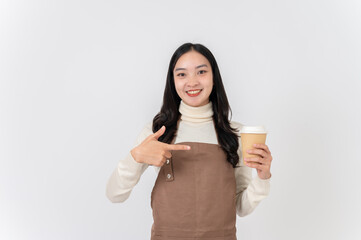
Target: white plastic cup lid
x,y
253,129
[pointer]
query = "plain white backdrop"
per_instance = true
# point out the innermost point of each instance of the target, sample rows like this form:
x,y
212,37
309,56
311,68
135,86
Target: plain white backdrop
x,y
79,80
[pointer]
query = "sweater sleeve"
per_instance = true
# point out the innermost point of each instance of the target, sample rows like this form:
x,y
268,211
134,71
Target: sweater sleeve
x,y
127,173
249,192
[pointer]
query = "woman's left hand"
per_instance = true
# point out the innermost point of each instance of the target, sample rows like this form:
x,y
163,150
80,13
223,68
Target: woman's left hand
x,y
261,163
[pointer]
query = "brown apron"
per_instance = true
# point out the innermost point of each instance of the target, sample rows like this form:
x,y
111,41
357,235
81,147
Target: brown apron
x,y
194,196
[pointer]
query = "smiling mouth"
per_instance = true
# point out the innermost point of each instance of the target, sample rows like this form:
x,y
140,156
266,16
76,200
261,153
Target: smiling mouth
x,y
194,91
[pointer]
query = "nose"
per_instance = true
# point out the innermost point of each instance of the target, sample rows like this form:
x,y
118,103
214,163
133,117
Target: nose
x,y
192,81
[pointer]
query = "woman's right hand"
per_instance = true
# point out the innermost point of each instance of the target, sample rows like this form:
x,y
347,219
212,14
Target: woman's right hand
x,y
153,152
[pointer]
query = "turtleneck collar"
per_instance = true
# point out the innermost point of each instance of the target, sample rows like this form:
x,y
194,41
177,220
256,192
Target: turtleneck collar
x,y
196,114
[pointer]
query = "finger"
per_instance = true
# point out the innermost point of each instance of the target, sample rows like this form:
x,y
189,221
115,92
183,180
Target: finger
x,y
159,133
177,147
263,146
251,165
255,160
260,152
256,165
167,154
163,161
160,162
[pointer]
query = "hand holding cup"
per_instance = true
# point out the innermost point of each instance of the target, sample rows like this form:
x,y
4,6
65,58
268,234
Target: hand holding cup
x,y
260,156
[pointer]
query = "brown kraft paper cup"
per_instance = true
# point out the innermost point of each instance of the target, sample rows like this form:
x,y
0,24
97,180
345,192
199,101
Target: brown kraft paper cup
x,y
249,136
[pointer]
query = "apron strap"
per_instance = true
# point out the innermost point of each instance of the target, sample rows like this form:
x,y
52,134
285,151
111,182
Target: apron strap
x,y
168,165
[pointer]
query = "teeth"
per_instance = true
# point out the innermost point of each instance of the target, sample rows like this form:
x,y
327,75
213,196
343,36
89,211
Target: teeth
x,y
194,92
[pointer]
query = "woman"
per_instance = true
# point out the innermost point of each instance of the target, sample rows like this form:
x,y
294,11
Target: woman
x,y
202,182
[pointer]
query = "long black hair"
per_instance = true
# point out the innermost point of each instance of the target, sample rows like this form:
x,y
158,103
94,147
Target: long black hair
x,y
169,114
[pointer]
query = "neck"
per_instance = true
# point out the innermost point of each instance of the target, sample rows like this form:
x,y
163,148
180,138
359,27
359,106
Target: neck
x,y
196,114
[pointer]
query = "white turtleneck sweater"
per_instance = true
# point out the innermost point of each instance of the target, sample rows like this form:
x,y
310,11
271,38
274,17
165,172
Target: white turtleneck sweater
x,y
196,125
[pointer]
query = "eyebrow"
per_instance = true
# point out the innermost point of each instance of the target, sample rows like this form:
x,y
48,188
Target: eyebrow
x,y
203,65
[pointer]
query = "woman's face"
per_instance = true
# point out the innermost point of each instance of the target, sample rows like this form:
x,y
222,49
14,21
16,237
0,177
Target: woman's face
x,y
193,72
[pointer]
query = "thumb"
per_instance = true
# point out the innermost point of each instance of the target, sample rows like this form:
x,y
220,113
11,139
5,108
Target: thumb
x,y
159,133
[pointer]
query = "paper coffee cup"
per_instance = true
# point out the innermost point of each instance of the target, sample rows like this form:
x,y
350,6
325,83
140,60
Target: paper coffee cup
x,y
251,135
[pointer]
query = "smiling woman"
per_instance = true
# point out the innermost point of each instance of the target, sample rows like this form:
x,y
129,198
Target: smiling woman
x,y
195,149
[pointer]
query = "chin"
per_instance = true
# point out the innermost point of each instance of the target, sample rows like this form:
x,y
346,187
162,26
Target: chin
x,y
195,103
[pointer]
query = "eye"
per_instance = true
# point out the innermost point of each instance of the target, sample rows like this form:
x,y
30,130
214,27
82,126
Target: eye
x,y
180,74
202,71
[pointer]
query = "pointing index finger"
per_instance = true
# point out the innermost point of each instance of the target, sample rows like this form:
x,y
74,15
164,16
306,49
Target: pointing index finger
x,y
178,147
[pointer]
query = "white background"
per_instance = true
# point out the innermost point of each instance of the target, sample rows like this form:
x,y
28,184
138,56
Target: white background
x,y
79,80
